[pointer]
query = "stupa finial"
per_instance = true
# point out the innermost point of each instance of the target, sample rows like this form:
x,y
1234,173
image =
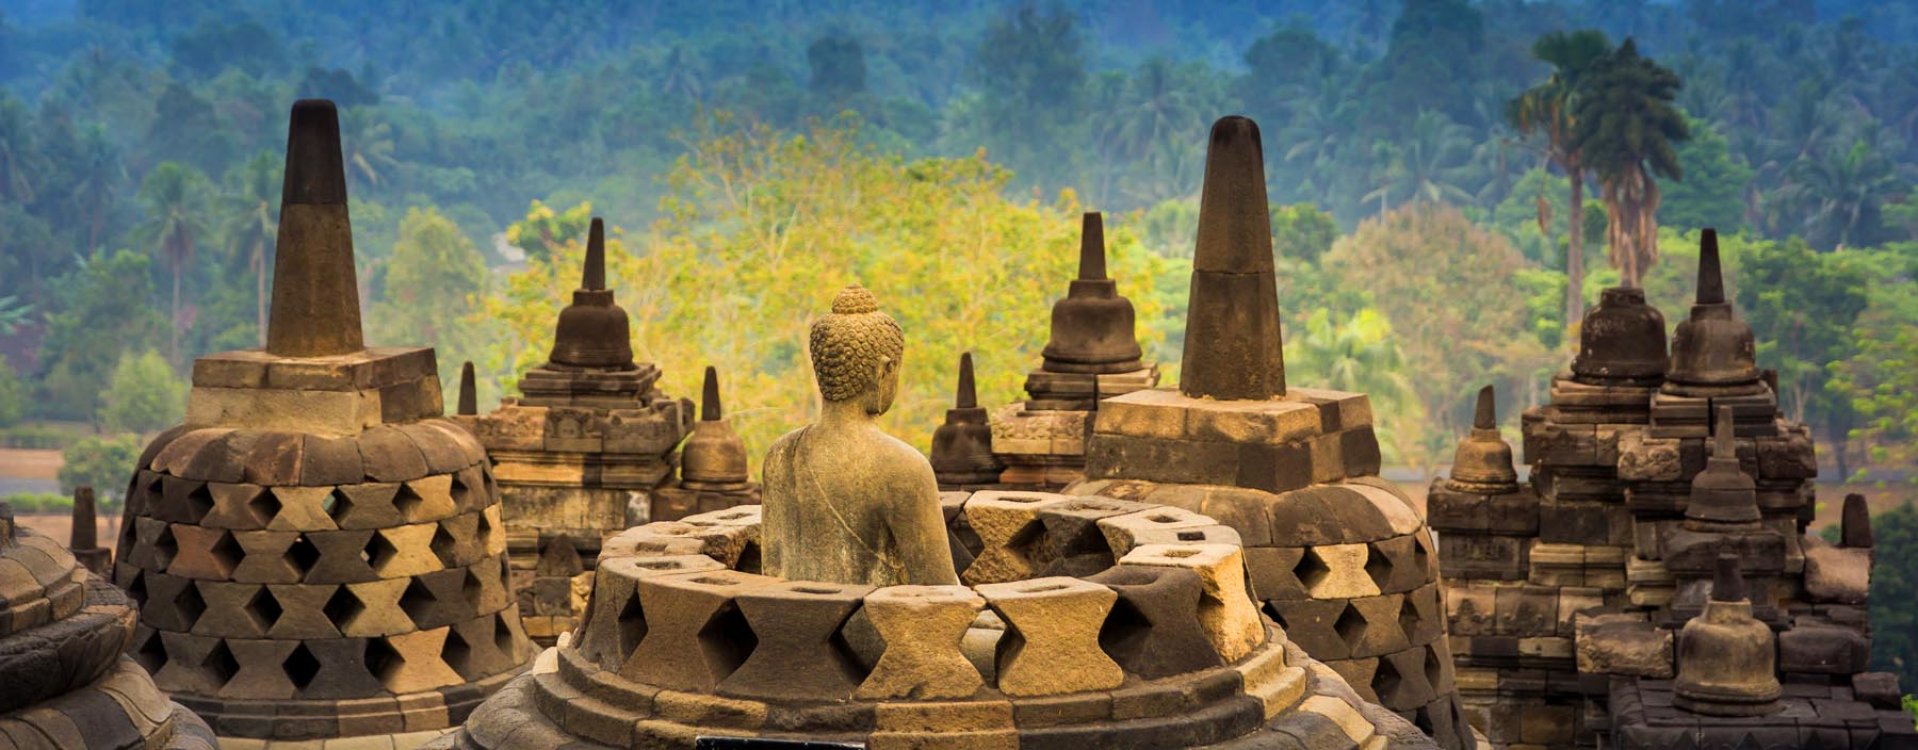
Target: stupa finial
x,y
86,525
469,391
709,406
1232,340
1728,582
1711,276
316,293
1092,247
967,396
1855,524
594,276
1485,416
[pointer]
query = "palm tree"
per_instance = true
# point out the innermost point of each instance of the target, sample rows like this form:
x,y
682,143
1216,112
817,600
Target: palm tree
x,y
16,148
251,224
101,171
1431,158
1548,109
1624,126
173,194
1839,186
367,143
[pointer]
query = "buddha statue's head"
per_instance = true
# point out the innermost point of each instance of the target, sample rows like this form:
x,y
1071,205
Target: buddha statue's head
x,y
856,351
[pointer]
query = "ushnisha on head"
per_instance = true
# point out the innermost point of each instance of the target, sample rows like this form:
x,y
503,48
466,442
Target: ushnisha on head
x,y
856,351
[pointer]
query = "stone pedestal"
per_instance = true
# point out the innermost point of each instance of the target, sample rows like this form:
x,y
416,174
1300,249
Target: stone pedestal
x,y
1042,441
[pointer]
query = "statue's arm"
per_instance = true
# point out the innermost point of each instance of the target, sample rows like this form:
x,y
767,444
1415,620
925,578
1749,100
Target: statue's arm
x,y
920,529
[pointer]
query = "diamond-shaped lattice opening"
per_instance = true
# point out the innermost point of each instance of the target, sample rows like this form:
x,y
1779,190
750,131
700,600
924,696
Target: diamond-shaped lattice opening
x,y
407,501
152,653
302,555
264,609
264,506
336,505
137,589
342,607
227,553
220,664
1387,680
1377,565
1422,557
1125,630
632,625
456,653
1311,569
381,660
189,604
473,589
502,634
198,503
1350,626
165,547
750,558
728,640
417,602
1408,617
1434,669
445,547
462,495
1422,719
301,667
378,551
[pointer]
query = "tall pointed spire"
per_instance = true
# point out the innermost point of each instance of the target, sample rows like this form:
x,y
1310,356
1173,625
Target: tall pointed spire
x,y
316,293
86,526
709,408
469,391
1232,339
1711,278
1485,416
1092,247
967,396
593,277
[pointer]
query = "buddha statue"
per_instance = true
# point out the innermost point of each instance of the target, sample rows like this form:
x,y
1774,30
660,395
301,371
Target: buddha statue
x,y
843,501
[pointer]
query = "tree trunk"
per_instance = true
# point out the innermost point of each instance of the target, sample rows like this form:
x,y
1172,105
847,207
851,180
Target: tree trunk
x,y
259,285
1575,252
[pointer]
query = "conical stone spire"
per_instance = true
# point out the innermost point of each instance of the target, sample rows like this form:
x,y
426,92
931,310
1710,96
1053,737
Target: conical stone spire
x,y
714,457
962,447
1483,459
1855,531
469,391
1093,327
1713,352
316,293
1723,493
593,331
1232,336
86,526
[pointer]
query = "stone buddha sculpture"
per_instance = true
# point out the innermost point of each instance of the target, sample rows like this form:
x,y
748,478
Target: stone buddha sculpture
x,y
843,501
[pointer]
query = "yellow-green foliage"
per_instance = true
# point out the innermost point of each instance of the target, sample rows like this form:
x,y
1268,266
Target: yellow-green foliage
x,y
761,228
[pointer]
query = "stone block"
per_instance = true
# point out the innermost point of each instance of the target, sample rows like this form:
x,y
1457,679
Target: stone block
x,y
1838,574
1227,612
695,634
1124,532
1153,631
795,623
922,627
1623,644
1817,648
1051,644
1013,536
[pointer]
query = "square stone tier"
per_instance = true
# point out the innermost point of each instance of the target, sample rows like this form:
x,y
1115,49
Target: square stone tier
x,y
1077,391
1306,437
337,395
557,385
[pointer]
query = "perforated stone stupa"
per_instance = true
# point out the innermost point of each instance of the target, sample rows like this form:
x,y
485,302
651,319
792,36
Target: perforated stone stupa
x,y
1338,556
1093,354
316,553
583,451
1653,586
63,634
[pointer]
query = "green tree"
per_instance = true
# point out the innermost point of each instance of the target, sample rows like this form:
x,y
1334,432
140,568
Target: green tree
x,y
432,280
143,395
1547,110
1894,593
1302,231
13,395
104,306
250,222
1031,70
104,463
1625,128
1840,189
1358,354
1714,196
1802,305
174,195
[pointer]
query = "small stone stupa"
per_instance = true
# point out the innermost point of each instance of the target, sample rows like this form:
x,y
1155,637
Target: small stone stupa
x,y
317,553
962,457
1340,557
84,538
1093,354
713,471
584,449
68,686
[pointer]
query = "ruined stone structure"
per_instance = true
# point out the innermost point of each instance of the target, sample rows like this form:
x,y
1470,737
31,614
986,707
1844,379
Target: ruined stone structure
x,y
1338,556
583,451
1093,354
63,633
1652,586
316,553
